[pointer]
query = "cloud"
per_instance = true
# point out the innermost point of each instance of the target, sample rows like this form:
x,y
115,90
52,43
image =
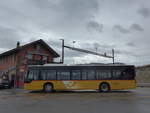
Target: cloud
x,y
80,8
145,12
130,44
121,29
102,48
136,27
72,20
94,26
125,53
71,53
68,10
46,4
133,27
55,43
8,37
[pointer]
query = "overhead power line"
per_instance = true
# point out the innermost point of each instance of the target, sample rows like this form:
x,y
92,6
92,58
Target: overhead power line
x,y
86,51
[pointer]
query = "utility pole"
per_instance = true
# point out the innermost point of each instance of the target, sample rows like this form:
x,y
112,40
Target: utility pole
x,y
88,52
85,51
113,55
62,60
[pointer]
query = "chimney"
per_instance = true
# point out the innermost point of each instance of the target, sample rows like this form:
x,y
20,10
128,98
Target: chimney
x,y
18,44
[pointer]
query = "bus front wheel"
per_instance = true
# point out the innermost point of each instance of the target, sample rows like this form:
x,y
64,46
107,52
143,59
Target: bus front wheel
x,y
104,87
48,88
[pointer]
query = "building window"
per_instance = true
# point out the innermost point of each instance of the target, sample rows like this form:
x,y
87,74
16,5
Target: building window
x,y
13,58
45,58
38,47
2,60
30,57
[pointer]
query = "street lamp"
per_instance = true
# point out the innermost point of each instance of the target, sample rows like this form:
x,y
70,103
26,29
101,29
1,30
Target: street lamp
x,y
73,43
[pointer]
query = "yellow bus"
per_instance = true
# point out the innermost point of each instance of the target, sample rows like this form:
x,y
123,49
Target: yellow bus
x,y
80,77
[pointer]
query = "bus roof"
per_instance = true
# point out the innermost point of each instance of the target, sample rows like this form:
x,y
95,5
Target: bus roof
x,y
62,65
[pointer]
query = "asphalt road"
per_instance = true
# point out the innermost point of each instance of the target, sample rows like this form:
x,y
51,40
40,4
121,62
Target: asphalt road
x,y
20,101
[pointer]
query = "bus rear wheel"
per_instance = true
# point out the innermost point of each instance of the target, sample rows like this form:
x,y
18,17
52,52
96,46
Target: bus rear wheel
x,y
104,87
48,88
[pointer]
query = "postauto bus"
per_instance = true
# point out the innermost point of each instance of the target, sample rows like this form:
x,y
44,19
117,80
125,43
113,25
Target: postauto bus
x,y
80,77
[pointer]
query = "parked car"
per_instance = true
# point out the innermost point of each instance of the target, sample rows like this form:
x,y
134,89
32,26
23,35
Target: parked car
x,y
5,83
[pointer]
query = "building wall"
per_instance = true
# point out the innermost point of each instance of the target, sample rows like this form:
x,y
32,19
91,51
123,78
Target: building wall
x,y
19,62
8,64
23,61
143,74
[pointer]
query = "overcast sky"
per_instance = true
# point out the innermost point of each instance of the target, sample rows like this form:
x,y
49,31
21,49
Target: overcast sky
x,y
120,24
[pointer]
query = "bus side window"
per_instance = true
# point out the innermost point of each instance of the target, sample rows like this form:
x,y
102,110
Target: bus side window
x,y
48,75
63,75
91,75
33,75
51,74
43,75
30,75
84,74
128,74
76,75
117,74
103,74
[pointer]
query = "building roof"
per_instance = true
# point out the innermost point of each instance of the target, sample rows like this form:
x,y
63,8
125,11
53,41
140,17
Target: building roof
x,y
15,50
